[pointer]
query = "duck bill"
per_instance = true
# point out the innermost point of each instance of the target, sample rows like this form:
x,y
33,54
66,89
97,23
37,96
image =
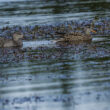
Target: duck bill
x,y
93,31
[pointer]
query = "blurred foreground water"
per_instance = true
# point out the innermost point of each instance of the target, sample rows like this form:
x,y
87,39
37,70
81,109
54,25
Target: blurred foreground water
x,y
56,78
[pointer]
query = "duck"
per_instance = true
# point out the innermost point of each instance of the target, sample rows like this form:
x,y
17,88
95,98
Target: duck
x,y
16,41
74,37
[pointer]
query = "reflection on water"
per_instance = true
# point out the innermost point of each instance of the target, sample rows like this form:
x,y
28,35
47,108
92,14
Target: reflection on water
x,y
38,43
77,79
69,78
25,12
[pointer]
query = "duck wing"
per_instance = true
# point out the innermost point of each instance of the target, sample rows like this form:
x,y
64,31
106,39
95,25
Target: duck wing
x,y
60,33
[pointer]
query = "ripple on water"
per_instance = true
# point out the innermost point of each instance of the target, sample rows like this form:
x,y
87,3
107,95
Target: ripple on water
x,y
71,76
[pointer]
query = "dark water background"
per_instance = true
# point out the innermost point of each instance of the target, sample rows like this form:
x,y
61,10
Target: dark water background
x,y
28,12
77,79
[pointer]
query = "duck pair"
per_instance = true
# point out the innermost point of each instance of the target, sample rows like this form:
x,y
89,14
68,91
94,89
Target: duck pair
x,y
16,41
70,38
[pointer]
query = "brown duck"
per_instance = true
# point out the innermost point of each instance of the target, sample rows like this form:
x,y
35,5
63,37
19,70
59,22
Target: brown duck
x,y
16,41
76,37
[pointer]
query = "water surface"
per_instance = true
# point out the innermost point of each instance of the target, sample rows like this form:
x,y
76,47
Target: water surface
x,y
62,78
30,12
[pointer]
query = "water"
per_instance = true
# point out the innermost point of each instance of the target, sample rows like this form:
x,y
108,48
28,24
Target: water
x,y
37,43
29,12
64,78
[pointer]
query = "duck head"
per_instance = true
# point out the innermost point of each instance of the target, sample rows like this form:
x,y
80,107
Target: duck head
x,y
17,36
89,30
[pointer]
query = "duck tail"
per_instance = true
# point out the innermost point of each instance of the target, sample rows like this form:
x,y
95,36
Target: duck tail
x,y
58,40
